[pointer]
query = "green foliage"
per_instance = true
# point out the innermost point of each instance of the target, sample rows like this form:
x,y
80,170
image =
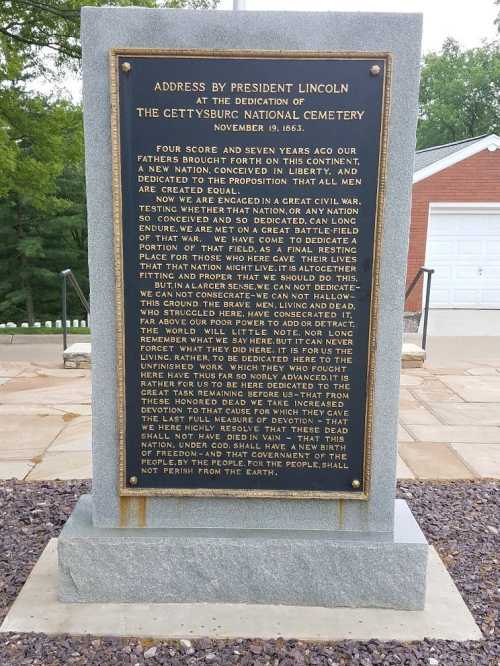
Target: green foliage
x,y
42,191
42,201
459,94
42,213
30,28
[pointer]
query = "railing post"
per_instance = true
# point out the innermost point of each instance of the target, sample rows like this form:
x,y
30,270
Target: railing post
x,y
64,310
414,282
78,290
66,275
429,272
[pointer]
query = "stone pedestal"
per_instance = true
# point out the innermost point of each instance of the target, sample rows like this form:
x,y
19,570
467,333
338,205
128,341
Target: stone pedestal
x,y
290,567
338,552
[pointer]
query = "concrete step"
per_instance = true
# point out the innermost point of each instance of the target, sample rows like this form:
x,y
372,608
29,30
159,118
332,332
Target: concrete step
x,y
77,355
412,356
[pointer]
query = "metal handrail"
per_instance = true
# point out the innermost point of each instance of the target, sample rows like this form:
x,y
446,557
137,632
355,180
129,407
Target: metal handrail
x,y
66,275
420,272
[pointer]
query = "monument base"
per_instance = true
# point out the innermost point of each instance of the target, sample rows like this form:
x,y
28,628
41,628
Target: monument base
x,y
300,568
37,610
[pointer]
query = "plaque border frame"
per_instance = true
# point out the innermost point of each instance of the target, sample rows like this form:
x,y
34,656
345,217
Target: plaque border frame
x,y
125,490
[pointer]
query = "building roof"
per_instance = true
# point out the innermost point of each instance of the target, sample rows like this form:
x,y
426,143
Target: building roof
x,y
427,156
431,160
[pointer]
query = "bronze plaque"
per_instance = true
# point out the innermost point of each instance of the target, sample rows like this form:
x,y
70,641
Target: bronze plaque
x,y
248,195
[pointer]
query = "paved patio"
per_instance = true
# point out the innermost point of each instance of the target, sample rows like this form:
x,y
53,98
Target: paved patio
x,y
449,421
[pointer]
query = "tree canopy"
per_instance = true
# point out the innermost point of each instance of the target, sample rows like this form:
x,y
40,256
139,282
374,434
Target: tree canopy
x,y
459,94
42,188
42,207
31,28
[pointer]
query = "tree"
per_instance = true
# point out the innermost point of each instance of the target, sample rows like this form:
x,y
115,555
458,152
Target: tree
x,y
33,27
38,209
42,201
459,94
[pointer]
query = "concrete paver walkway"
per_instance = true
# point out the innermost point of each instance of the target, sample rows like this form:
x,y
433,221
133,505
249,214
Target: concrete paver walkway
x,y
449,421
44,421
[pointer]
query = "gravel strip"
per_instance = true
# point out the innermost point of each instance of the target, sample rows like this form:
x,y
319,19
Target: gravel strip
x,y
461,519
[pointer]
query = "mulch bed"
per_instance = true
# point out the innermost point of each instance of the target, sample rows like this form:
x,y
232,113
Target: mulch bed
x,y
461,519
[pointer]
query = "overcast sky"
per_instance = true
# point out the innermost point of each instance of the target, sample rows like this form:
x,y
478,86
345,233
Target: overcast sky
x,y
469,22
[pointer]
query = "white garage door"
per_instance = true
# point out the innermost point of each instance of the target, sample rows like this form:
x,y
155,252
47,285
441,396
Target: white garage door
x,y
463,246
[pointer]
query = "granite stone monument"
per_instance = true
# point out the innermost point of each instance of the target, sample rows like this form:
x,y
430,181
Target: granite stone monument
x,y
248,182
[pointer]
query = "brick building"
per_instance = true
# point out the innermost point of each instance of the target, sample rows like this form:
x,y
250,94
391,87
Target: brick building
x,y
455,225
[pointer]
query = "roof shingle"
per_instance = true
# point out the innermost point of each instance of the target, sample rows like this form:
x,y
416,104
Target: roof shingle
x,y
427,156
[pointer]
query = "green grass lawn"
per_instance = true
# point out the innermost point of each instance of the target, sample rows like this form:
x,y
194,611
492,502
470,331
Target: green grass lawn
x,y
43,331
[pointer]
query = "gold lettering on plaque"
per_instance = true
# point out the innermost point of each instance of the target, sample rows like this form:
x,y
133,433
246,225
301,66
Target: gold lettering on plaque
x,y
249,265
